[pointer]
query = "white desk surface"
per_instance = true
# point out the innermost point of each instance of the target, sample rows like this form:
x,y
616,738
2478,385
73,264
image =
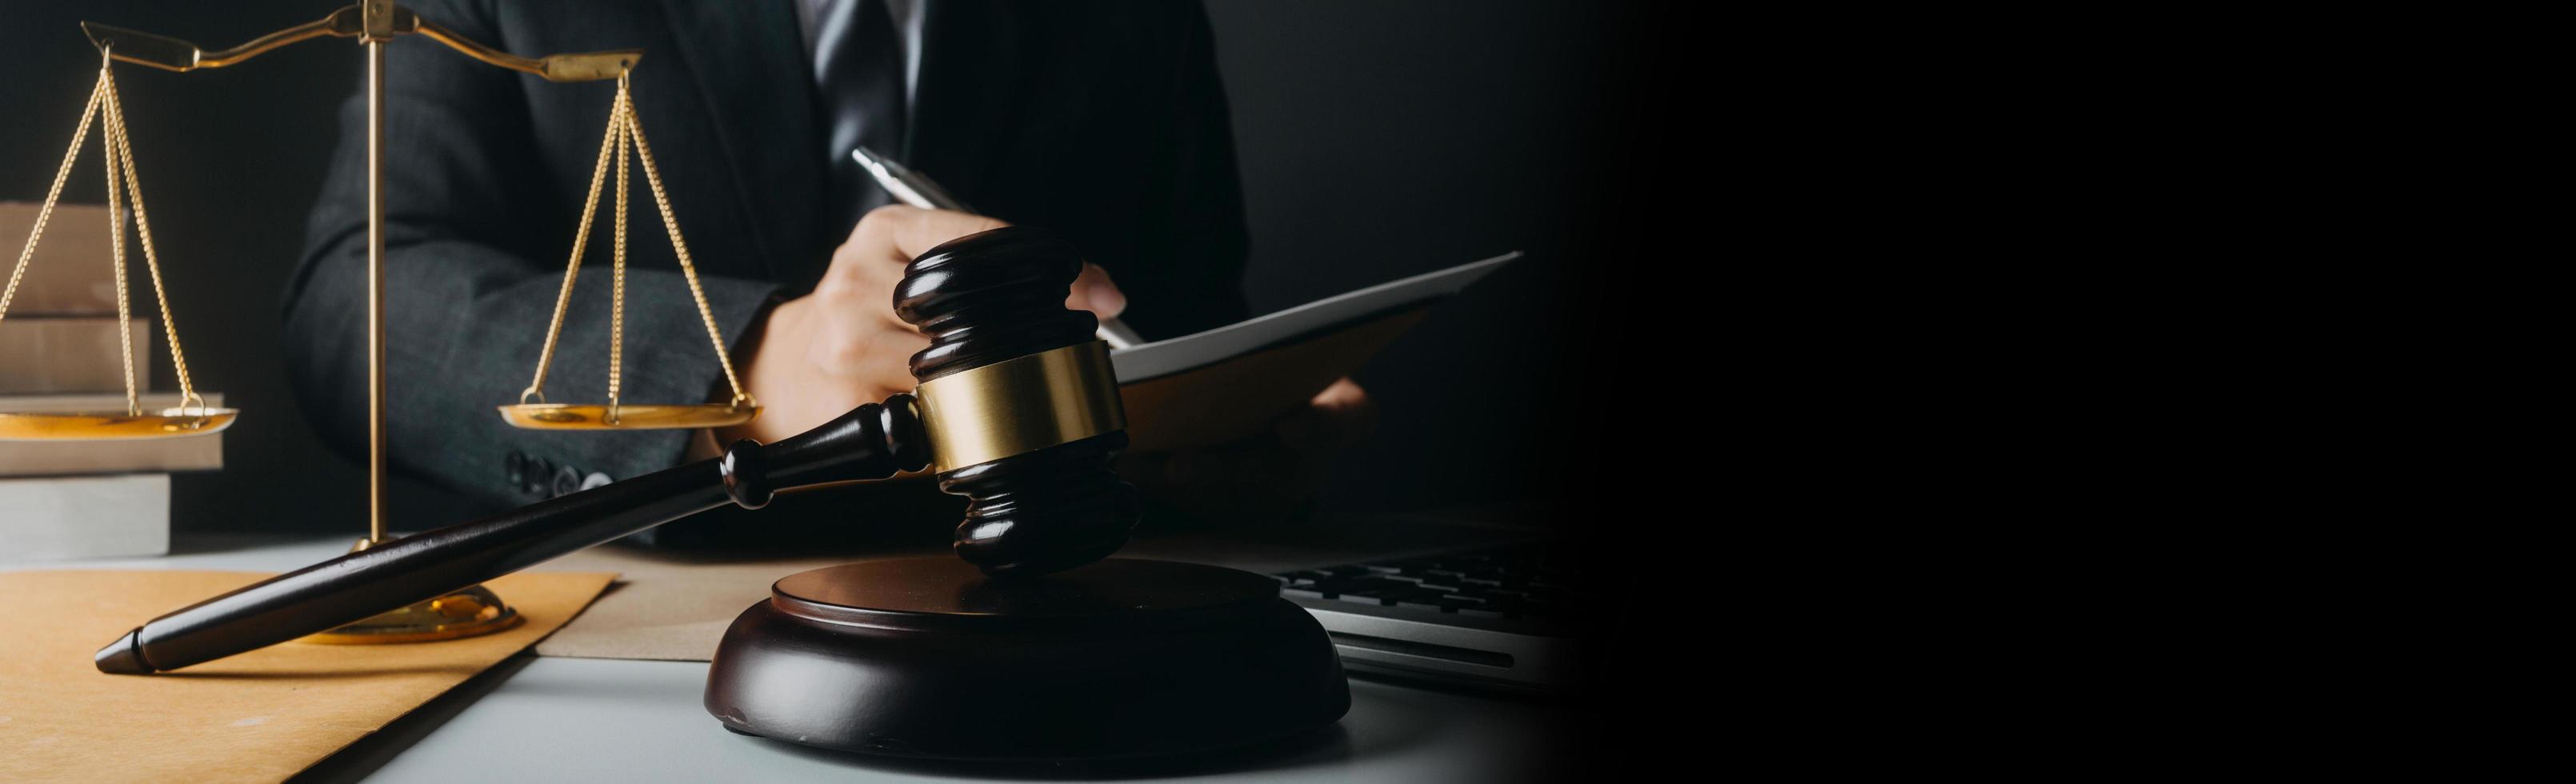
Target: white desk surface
x,y
558,719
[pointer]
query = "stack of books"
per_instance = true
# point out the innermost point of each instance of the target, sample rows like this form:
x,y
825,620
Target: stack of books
x,y
60,351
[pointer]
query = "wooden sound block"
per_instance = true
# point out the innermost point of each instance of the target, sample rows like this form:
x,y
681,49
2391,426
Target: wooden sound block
x,y
928,657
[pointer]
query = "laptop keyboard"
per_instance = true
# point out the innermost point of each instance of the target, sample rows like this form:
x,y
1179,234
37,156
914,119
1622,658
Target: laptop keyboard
x,y
1516,583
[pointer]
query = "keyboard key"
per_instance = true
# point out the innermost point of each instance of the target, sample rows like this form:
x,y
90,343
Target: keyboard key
x,y
1515,583
1537,610
1371,584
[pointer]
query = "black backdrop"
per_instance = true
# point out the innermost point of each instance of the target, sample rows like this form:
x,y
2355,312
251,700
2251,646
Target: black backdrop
x,y
1377,140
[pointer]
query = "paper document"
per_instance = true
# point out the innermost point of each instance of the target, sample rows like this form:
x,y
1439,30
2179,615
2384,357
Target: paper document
x,y
1235,382
1166,357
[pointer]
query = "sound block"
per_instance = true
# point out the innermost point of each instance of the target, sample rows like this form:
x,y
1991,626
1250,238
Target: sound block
x,y
927,657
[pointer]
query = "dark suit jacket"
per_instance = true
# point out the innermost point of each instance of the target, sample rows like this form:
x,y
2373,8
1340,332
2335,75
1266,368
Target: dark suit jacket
x,y
1104,121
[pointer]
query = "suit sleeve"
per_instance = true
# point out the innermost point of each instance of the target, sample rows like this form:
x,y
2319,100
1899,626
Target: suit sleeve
x,y
476,240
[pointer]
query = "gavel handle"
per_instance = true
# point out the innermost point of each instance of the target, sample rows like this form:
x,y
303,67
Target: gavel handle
x,y
422,566
411,569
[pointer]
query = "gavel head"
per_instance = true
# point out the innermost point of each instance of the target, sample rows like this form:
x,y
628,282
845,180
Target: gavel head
x,y
1018,401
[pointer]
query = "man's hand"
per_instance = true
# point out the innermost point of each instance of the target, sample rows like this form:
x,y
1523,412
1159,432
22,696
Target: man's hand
x,y
824,353
1264,479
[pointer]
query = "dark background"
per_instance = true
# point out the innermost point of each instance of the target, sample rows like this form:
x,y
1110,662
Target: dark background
x,y
1377,140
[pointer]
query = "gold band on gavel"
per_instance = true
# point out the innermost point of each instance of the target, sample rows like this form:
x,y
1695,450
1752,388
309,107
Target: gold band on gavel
x,y
1020,406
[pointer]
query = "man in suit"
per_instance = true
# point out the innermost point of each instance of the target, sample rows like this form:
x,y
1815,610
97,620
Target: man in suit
x,y
1105,122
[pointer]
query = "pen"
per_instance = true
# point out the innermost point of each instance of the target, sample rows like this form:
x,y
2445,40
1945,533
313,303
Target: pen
x,y
911,188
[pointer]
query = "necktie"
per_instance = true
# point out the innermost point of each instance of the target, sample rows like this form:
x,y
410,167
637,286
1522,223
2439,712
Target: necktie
x,y
858,72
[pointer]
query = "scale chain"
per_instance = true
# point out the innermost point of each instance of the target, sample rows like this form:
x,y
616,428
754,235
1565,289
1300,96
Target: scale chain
x,y
580,242
624,130
151,258
123,186
617,288
680,248
116,241
51,195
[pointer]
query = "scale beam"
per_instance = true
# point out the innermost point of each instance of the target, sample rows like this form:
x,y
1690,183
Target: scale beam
x,y
172,54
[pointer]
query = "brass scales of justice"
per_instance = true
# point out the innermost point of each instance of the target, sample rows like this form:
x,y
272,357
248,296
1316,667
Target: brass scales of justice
x,y
474,610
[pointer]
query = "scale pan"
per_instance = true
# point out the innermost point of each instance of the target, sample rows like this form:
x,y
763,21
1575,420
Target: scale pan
x,y
594,416
95,426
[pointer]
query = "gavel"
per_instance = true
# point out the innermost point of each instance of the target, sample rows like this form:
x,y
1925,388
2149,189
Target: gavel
x,y
1017,408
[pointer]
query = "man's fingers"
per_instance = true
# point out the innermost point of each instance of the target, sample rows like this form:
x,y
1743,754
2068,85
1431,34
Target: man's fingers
x,y
1093,291
1344,395
1339,417
889,237
894,348
911,231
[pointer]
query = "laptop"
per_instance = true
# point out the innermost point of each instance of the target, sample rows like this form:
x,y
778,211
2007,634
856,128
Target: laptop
x,y
1430,598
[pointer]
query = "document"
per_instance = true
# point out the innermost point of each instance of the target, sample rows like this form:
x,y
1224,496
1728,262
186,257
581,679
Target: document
x,y
1232,382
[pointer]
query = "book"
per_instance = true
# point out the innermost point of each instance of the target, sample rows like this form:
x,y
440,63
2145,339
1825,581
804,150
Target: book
x,y
73,272
1230,383
84,517
44,356
153,455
